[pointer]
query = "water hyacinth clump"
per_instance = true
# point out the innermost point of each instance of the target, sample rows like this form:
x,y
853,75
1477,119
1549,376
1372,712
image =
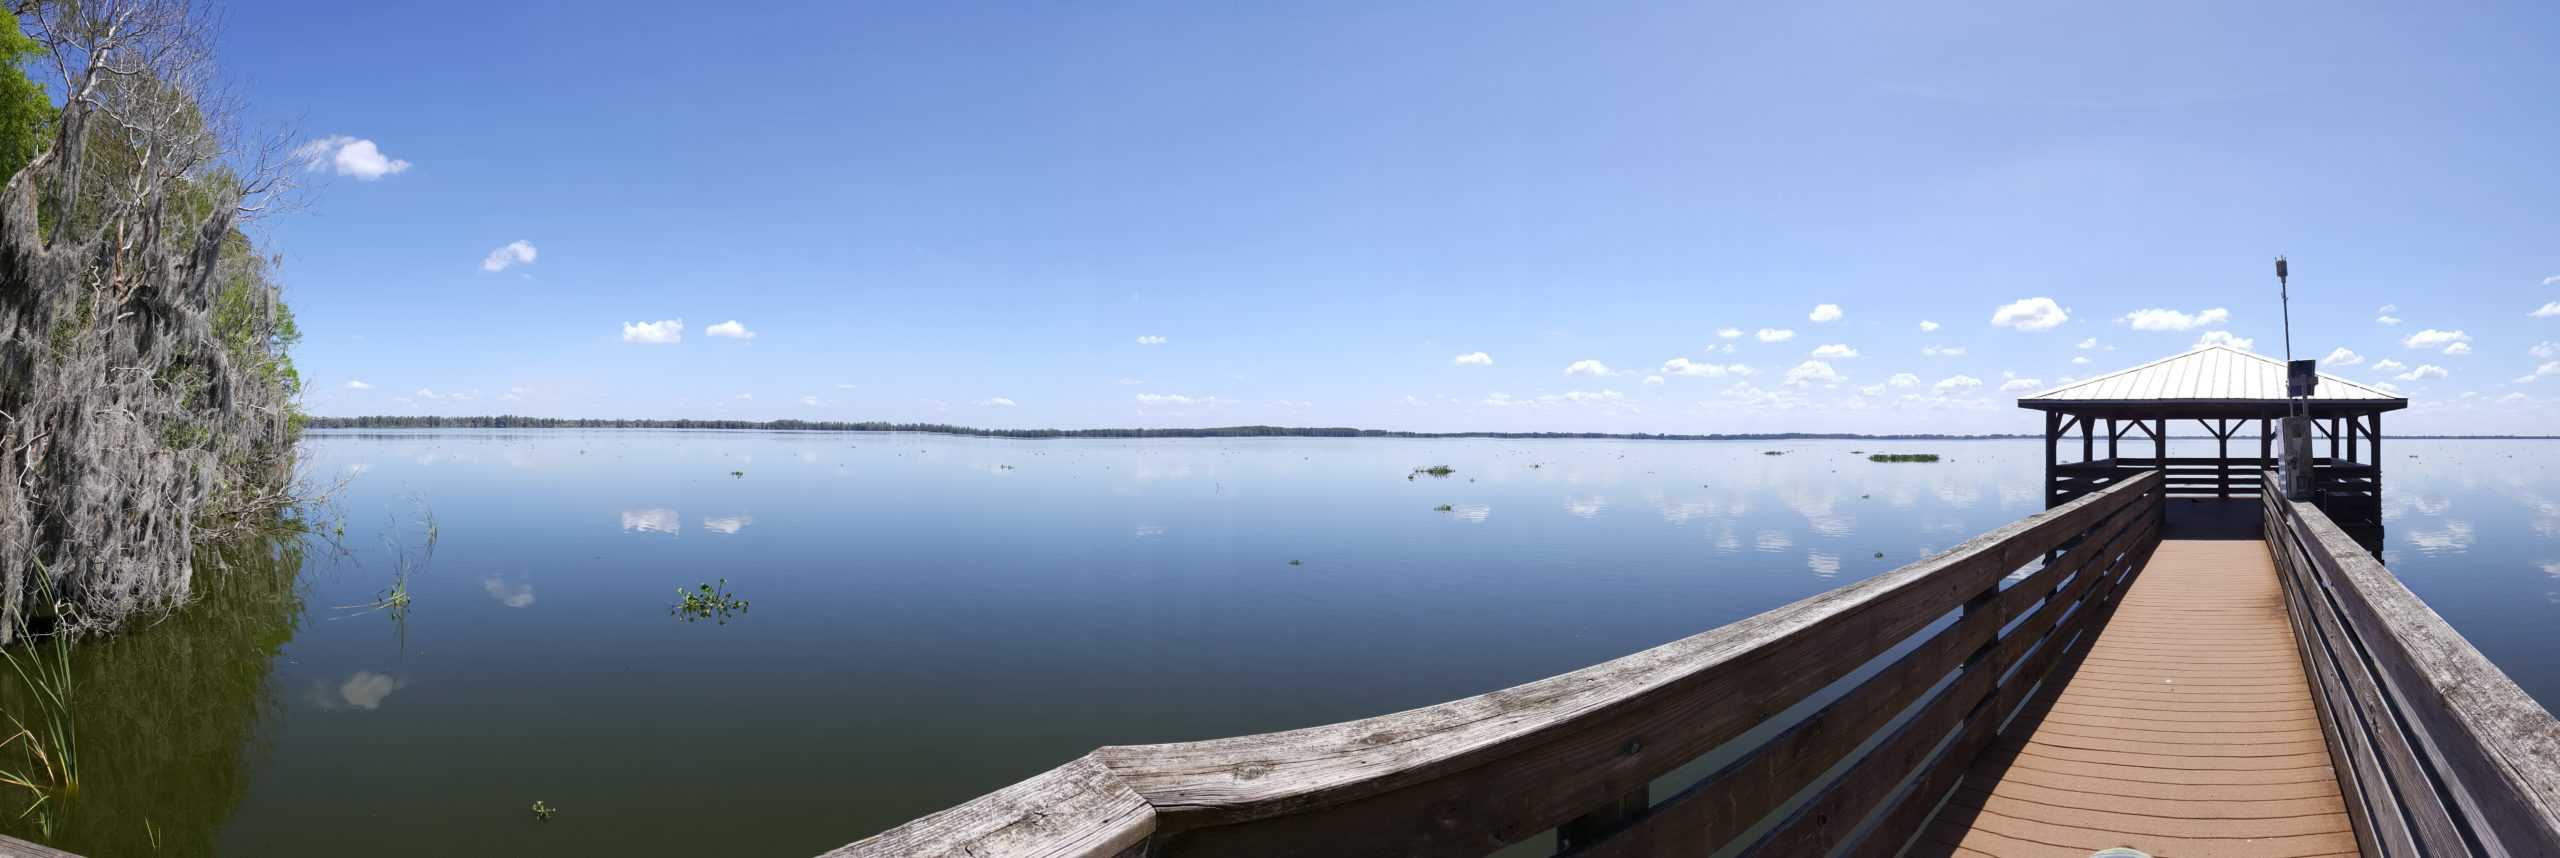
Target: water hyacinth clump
x,y
708,602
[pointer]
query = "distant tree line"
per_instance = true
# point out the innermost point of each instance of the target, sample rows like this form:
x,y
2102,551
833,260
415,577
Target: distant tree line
x,y
509,421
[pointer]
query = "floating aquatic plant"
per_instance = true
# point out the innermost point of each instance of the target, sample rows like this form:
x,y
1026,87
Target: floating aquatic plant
x,y
1903,457
543,811
708,602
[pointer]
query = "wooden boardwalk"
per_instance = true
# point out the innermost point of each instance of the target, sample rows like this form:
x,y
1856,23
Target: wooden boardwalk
x,y
2187,730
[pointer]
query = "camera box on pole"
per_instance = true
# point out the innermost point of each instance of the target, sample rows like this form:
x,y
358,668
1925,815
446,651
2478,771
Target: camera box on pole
x,y
2293,470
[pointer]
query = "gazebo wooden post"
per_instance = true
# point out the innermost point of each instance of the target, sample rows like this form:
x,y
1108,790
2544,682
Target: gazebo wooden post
x,y
2160,442
2373,441
2113,433
2266,444
2088,439
2052,437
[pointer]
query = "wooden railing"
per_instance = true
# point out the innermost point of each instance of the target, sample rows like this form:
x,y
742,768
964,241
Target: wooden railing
x,y
1902,681
2208,476
2437,752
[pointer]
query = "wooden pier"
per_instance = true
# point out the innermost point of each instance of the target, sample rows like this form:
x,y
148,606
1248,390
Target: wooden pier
x,y
2092,676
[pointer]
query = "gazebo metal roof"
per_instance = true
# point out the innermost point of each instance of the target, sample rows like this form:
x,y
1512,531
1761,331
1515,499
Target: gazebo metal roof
x,y
2209,381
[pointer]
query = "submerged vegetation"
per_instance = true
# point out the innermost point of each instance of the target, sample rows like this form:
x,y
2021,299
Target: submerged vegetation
x,y
1903,457
708,602
145,381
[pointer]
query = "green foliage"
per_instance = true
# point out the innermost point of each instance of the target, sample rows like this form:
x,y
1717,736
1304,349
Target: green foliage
x,y
543,811
26,112
1903,457
708,602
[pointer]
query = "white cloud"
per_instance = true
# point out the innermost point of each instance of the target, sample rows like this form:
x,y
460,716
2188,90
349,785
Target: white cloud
x,y
2384,315
1685,366
2545,349
358,384
1949,351
1653,379
2342,356
2077,360
1473,359
2021,384
518,252
1956,383
1835,350
2030,314
996,402
2087,344
1812,372
1587,367
730,329
1775,335
2432,338
2544,371
1728,333
2387,387
2548,310
2513,398
2423,372
514,393
1927,325
811,400
2387,365
1176,399
427,393
1505,400
2553,280
2224,338
348,156
654,333
1151,340
1825,313
744,396
2156,319
1871,390
1903,379
1123,380
2458,349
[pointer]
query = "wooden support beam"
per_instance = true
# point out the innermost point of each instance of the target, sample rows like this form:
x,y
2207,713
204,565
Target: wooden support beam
x,y
2052,437
2088,440
2113,433
2160,440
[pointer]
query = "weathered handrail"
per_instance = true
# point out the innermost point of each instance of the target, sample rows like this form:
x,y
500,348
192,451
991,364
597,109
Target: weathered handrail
x,y
1575,752
2437,752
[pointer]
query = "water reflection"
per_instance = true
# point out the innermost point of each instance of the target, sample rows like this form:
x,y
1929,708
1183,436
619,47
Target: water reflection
x,y
364,690
1471,513
649,520
1585,507
727,524
517,595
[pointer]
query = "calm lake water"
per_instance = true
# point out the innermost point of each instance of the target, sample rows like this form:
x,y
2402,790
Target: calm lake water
x,y
934,617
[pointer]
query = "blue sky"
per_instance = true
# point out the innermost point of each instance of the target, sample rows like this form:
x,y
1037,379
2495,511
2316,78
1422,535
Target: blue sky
x,y
984,214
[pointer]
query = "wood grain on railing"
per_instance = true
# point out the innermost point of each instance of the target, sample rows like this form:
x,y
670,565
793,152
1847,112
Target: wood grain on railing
x,y
1470,776
2436,750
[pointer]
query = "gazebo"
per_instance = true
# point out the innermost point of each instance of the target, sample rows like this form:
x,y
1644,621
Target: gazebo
x,y
2226,390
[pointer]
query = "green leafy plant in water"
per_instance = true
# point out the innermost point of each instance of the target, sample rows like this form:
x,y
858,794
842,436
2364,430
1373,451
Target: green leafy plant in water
x,y
42,758
708,602
738,474
1436,470
542,811
1442,508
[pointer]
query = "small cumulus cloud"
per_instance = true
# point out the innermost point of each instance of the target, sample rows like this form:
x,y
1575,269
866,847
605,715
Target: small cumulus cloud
x,y
518,252
348,156
2387,314
1825,313
1728,333
2077,360
1685,366
2156,319
662,332
2224,338
1949,351
2458,349
2030,314
2423,372
1587,367
2545,349
1473,359
358,384
1927,325
1835,350
731,329
2342,356
1653,379
1956,383
2021,384
1176,399
2387,365
2435,339
1775,335
2540,372
996,402
1151,340
2548,310
812,400
1903,379
1812,372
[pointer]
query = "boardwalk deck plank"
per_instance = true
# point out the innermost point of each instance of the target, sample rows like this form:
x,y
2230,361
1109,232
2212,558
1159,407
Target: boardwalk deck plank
x,y
2188,731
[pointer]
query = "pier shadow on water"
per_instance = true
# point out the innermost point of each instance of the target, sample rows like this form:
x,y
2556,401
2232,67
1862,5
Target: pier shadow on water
x,y
166,712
